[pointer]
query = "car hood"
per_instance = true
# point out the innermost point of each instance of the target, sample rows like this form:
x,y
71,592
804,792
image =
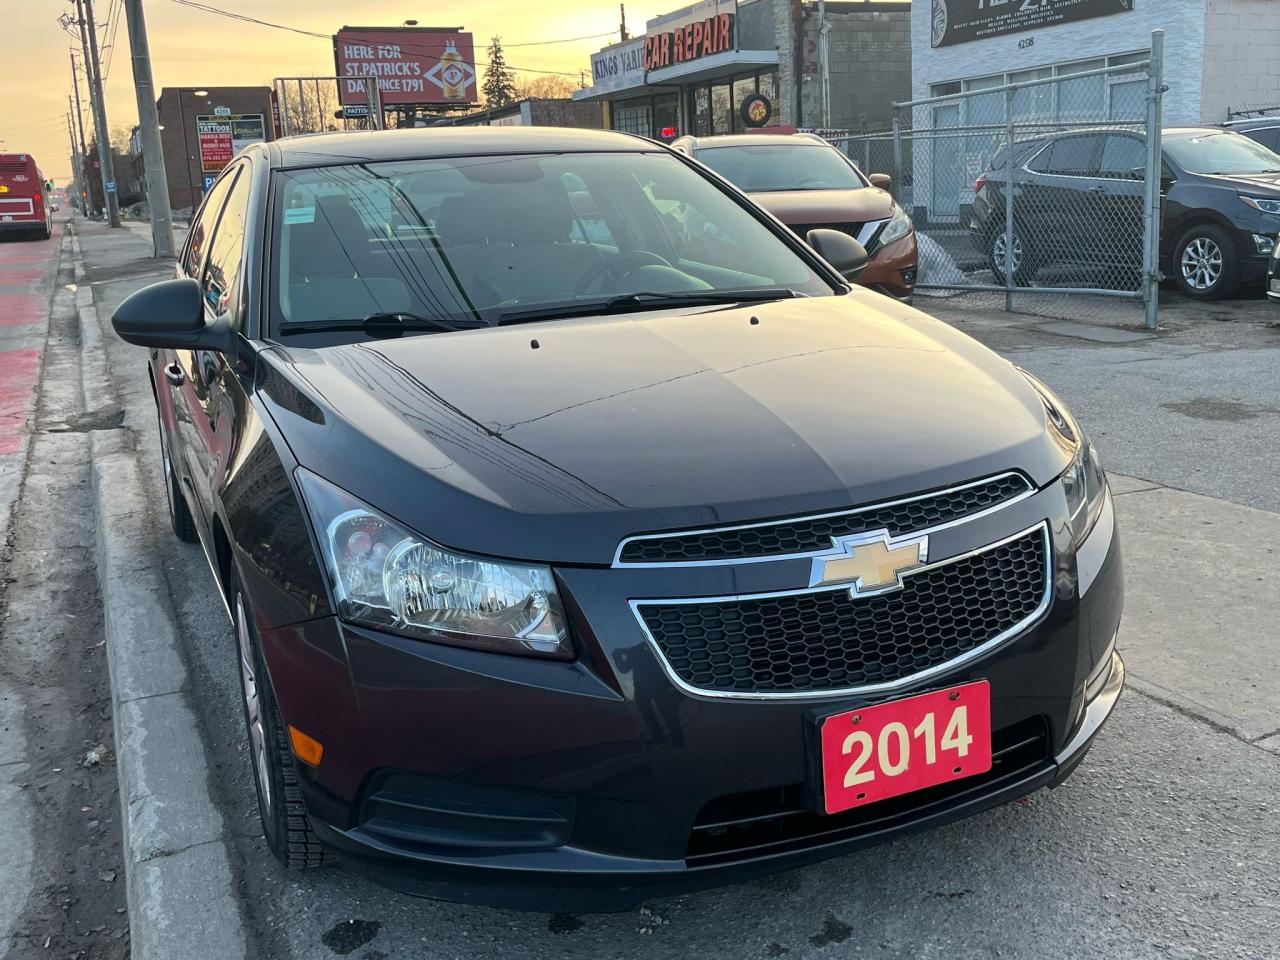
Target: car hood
x,y
554,441
1267,184
827,206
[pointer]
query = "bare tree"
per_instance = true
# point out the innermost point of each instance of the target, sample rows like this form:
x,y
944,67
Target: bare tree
x,y
546,87
311,106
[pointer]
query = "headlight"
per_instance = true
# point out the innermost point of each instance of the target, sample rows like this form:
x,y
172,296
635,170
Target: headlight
x,y
1265,204
384,576
899,226
1084,482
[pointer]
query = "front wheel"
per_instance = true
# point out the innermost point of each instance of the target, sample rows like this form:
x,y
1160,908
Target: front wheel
x,y
285,825
1205,264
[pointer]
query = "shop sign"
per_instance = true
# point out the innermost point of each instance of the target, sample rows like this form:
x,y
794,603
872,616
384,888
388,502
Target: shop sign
x,y
696,31
959,21
756,110
618,67
221,137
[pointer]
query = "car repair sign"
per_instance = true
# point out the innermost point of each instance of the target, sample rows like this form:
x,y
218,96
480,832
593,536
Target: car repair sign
x,y
959,21
411,64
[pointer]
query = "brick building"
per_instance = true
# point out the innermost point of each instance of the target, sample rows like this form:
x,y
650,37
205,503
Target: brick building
x,y
230,117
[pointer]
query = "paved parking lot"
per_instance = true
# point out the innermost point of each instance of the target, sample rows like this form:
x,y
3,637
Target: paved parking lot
x,y
1164,843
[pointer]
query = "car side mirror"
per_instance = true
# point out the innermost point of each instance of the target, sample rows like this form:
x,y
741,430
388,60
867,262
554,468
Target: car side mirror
x,y
881,180
170,316
840,250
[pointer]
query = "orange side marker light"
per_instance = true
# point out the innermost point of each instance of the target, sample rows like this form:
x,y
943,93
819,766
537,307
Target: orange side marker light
x,y
307,749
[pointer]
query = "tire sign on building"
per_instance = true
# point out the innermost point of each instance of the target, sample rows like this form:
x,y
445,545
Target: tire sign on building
x,y
959,21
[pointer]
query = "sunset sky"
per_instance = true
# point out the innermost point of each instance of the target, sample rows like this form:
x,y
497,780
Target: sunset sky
x,y
193,48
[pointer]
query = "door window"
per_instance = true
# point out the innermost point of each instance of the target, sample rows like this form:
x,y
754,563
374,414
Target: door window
x,y
1073,157
1124,158
202,229
219,282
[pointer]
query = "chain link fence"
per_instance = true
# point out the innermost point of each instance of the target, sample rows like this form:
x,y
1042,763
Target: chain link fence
x,y
1040,196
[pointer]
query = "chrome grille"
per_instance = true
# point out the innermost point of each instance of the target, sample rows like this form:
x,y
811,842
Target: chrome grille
x,y
817,641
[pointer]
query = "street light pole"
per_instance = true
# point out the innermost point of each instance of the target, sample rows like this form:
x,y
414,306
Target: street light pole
x,y
89,37
149,132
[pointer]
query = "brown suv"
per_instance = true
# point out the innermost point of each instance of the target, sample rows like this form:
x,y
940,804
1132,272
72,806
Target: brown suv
x,y
807,183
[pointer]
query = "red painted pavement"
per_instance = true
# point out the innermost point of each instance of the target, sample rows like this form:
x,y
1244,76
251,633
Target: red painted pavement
x,y
27,271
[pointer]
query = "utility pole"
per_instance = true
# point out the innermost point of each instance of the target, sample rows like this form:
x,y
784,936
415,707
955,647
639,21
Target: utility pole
x,y
89,37
75,163
149,133
84,146
622,27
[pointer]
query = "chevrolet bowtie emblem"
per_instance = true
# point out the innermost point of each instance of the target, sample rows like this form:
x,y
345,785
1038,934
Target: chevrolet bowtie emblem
x,y
869,562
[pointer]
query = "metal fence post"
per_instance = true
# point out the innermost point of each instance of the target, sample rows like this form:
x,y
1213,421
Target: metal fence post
x,y
897,148
1008,202
1151,207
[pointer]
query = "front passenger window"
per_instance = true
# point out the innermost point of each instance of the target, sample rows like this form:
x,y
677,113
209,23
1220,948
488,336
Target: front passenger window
x,y
222,272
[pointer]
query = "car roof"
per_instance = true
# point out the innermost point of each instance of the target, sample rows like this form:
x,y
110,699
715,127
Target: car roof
x,y
322,149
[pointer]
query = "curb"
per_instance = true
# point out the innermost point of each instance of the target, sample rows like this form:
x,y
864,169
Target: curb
x,y
179,885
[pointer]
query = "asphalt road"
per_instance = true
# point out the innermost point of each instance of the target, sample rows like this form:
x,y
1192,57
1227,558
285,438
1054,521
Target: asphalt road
x,y
1164,843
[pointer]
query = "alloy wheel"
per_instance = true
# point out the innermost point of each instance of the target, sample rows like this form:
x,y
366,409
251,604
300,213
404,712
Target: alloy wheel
x,y
1001,257
1201,264
253,706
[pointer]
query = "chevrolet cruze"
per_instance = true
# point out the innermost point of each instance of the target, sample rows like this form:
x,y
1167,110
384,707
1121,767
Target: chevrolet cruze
x,y
574,556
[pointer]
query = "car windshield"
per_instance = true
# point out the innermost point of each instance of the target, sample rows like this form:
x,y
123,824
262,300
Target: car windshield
x,y
470,241
787,165
1220,153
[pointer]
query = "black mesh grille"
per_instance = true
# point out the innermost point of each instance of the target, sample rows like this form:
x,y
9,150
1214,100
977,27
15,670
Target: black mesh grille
x,y
803,536
829,640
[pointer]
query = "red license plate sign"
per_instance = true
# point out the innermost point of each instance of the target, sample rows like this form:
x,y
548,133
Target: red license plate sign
x,y
893,748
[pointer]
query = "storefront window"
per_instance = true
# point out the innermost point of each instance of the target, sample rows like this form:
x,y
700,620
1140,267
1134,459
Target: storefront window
x,y
666,116
721,109
633,117
769,88
701,112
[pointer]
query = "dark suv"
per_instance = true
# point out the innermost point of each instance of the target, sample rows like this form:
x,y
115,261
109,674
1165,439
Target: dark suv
x,y
1266,130
1078,204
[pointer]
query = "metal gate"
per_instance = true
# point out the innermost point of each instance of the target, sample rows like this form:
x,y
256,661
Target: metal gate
x,y
1044,192
311,105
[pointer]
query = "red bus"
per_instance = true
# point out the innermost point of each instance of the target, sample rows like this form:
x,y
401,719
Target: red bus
x,y
24,197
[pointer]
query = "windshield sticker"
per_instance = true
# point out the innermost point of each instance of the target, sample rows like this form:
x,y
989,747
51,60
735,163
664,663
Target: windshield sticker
x,y
300,215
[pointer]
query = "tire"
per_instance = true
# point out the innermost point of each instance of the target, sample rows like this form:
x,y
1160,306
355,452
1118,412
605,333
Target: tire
x,y
180,519
285,825
1205,263
1025,266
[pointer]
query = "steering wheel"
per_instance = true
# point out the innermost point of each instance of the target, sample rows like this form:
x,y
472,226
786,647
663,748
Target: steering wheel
x,y
618,267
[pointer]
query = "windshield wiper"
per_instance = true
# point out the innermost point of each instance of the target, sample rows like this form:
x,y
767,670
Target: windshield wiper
x,y
383,326
644,300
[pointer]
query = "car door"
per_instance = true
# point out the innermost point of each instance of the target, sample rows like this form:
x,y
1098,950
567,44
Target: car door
x,y
174,396
1117,208
213,387
1062,187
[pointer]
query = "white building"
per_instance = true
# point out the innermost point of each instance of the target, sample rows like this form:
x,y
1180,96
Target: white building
x,y
1220,55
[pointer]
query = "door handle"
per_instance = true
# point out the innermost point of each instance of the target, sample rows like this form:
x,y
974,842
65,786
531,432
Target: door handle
x,y
173,373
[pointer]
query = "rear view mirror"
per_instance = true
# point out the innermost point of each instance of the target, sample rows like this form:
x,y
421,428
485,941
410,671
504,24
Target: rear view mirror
x,y
169,315
881,180
840,250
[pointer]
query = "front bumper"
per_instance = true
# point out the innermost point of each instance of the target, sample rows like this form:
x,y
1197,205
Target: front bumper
x,y
534,784
891,269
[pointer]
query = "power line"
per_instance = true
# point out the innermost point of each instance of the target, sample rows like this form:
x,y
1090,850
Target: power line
x,y
543,43
406,45
112,28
